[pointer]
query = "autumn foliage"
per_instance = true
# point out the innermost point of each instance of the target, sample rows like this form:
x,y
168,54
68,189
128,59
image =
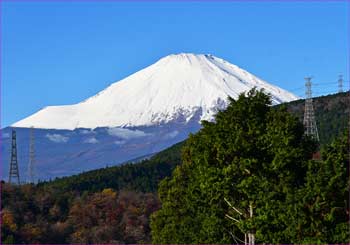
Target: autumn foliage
x,y
34,215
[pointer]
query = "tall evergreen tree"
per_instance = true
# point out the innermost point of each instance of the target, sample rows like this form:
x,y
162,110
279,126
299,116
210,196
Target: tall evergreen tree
x,y
238,178
324,201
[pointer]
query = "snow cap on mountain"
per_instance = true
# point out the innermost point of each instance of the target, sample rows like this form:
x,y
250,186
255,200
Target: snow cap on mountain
x,y
178,85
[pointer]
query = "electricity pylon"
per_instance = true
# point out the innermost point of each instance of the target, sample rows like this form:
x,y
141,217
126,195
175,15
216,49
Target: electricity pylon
x,y
309,115
14,171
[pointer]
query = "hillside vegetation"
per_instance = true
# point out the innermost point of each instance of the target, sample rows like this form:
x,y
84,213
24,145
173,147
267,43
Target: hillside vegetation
x,y
251,174
143,176
331,113
115,204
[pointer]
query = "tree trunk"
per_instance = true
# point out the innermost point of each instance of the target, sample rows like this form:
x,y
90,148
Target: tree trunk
x,y
251,235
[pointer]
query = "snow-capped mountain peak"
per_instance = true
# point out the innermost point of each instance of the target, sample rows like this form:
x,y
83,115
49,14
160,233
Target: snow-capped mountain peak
x,y
179,85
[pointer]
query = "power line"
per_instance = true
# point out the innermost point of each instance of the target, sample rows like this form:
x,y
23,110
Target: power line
x,y
321,85
324,83
296,89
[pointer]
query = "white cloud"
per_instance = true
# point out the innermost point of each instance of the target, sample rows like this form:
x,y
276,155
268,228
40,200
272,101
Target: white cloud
x,y
57,138
91,140
126,133
119,142
171,134
85,131
5,135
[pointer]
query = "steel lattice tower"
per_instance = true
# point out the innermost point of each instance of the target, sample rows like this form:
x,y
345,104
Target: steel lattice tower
x,y
309,115
31,157
14,171
340,84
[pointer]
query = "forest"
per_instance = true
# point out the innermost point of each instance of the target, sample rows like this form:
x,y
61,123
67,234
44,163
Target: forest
x,y
331,112
253,157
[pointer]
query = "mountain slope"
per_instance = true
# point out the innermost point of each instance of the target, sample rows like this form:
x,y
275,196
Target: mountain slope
x,y
332,119
331,112
142,176
177,87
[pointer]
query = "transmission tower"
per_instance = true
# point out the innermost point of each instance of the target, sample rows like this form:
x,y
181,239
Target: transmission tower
x,y
31,157
14,171
309,115
340,83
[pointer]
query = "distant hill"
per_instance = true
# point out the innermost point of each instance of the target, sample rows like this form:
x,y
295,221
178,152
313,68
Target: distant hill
x,y
331,114
143,176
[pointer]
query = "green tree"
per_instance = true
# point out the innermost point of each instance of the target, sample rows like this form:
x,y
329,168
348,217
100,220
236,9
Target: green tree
x,y
239,177
324,203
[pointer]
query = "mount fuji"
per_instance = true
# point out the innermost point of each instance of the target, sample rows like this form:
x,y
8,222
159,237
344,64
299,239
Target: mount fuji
x,y
175,86
137,116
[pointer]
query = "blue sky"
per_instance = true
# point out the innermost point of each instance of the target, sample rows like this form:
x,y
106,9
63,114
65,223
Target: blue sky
x,y
56,53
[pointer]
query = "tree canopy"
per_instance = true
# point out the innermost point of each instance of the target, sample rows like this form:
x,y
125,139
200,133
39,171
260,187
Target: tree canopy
x,y
249,172
242,174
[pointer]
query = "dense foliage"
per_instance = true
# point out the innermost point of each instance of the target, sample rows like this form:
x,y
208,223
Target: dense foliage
x,y
253,156
45,215
331,112
109,205
143,176
323,211
251,172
